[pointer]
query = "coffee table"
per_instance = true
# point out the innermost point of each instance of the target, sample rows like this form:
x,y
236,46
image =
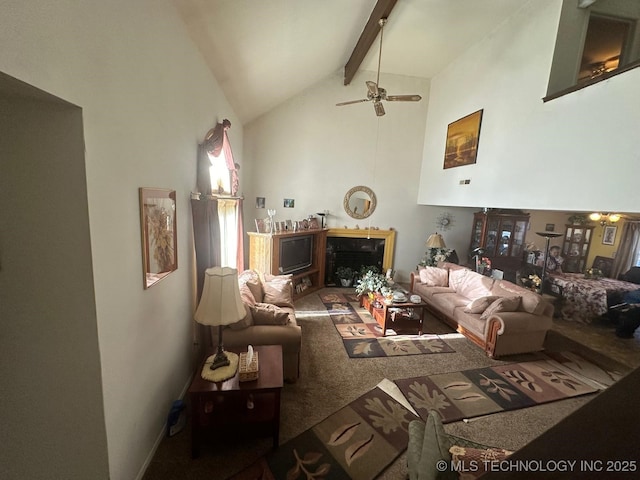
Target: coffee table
x,y
404,313
221,408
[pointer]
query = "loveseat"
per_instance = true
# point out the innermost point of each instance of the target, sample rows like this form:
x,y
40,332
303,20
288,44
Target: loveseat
x,y
497,315
270,319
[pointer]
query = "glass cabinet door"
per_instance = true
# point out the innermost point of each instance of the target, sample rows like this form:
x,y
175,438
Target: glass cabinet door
x,y
517,247
492,236
506,230
477,234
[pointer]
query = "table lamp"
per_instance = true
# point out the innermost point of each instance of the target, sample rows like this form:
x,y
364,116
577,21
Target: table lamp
x,y
548,236
435,240
220,305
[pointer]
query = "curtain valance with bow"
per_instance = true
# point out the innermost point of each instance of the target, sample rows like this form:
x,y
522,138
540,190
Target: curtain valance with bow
x,y
216,141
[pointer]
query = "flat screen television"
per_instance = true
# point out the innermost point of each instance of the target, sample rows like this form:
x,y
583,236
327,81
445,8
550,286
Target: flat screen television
x,y
296,253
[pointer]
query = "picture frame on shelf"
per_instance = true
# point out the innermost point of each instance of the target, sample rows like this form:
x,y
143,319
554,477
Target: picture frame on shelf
x,y
261,226
462,140
288,225
609,235
313,224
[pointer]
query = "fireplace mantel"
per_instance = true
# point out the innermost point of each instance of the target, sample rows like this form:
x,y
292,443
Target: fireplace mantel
x,y
389,237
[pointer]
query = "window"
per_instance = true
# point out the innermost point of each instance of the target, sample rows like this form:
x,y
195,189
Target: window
x,y
220,175
227,210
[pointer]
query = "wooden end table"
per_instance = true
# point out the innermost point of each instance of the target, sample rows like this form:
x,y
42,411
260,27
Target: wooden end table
x,y
396,312
220,408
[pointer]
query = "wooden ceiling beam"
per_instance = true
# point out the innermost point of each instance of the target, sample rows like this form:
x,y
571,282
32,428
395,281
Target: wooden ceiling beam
x,y
381,10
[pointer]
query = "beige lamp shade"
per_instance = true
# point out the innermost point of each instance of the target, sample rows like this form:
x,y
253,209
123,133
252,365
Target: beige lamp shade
x,y
221,303
435,240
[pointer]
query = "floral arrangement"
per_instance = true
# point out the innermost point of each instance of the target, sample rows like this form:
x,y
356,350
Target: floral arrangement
x,y
593,273
434,255
533,282
484,266
371,281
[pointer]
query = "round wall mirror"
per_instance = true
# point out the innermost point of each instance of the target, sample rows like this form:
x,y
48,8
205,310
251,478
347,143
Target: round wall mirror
x,y
360,202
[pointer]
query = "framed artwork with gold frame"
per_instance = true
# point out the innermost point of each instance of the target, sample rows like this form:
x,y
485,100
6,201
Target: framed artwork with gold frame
x,y
462,141
158,233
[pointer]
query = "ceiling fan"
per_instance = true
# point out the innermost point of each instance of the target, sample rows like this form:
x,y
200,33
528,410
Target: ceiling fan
x,y
376,93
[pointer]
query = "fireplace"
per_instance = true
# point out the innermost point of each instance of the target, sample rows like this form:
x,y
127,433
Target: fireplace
x,y
357,248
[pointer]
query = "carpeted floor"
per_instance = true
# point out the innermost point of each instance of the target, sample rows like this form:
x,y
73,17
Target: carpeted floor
x,y
330,380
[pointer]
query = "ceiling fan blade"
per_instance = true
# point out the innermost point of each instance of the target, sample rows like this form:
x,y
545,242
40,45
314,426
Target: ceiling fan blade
x,y
378,108
404,98
373,87
351,102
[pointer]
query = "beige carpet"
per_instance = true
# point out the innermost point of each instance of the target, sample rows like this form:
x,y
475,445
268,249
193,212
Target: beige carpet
x,y
330,380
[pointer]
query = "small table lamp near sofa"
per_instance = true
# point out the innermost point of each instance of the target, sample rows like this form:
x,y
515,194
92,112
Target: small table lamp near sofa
x,y
221,305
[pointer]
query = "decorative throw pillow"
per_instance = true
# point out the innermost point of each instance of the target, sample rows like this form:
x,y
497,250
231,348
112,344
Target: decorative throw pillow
x,y
247,321
504,304
456,277
472,462
255,285
434,276
246,295
272,278
479,305
247,276
278,293
267,314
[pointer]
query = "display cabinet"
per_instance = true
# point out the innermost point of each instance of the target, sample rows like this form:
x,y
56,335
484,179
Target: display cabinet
x,y
575,248
501,233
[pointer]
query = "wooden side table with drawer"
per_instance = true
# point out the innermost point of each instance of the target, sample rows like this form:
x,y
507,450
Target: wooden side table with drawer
x,y
219,408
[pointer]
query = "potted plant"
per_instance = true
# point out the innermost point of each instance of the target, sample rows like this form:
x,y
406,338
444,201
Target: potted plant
x,y
371,282
345,274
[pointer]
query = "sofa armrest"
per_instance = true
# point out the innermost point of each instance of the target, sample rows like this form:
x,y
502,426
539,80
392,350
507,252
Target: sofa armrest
x,y
516,322
413,277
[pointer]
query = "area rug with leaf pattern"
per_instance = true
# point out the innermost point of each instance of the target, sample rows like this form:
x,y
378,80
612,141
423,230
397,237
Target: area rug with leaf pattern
x,y
472,393
362,336
357,442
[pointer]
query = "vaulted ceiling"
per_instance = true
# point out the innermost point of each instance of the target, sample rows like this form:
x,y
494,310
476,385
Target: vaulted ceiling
x,y
263,52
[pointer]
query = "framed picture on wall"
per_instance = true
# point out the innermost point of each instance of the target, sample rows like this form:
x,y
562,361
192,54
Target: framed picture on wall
x,y
462,141
609,235
158,233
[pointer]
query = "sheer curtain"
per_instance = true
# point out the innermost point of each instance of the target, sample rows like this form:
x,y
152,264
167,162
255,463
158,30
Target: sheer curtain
x,y
628,248
228,218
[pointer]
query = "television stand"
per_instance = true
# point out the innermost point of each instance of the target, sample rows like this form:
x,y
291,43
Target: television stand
x,y
264,256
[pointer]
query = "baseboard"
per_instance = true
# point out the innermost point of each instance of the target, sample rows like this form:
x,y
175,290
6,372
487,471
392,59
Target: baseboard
x,y
161,435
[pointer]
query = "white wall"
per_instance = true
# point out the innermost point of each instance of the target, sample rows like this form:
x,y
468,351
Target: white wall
x,y
147,98
576,153
312,151
51,405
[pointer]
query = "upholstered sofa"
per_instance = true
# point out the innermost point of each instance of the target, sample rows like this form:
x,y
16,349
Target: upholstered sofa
x,y
270,319
499,316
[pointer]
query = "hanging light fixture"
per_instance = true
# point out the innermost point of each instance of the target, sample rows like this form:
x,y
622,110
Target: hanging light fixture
x,y
604,218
